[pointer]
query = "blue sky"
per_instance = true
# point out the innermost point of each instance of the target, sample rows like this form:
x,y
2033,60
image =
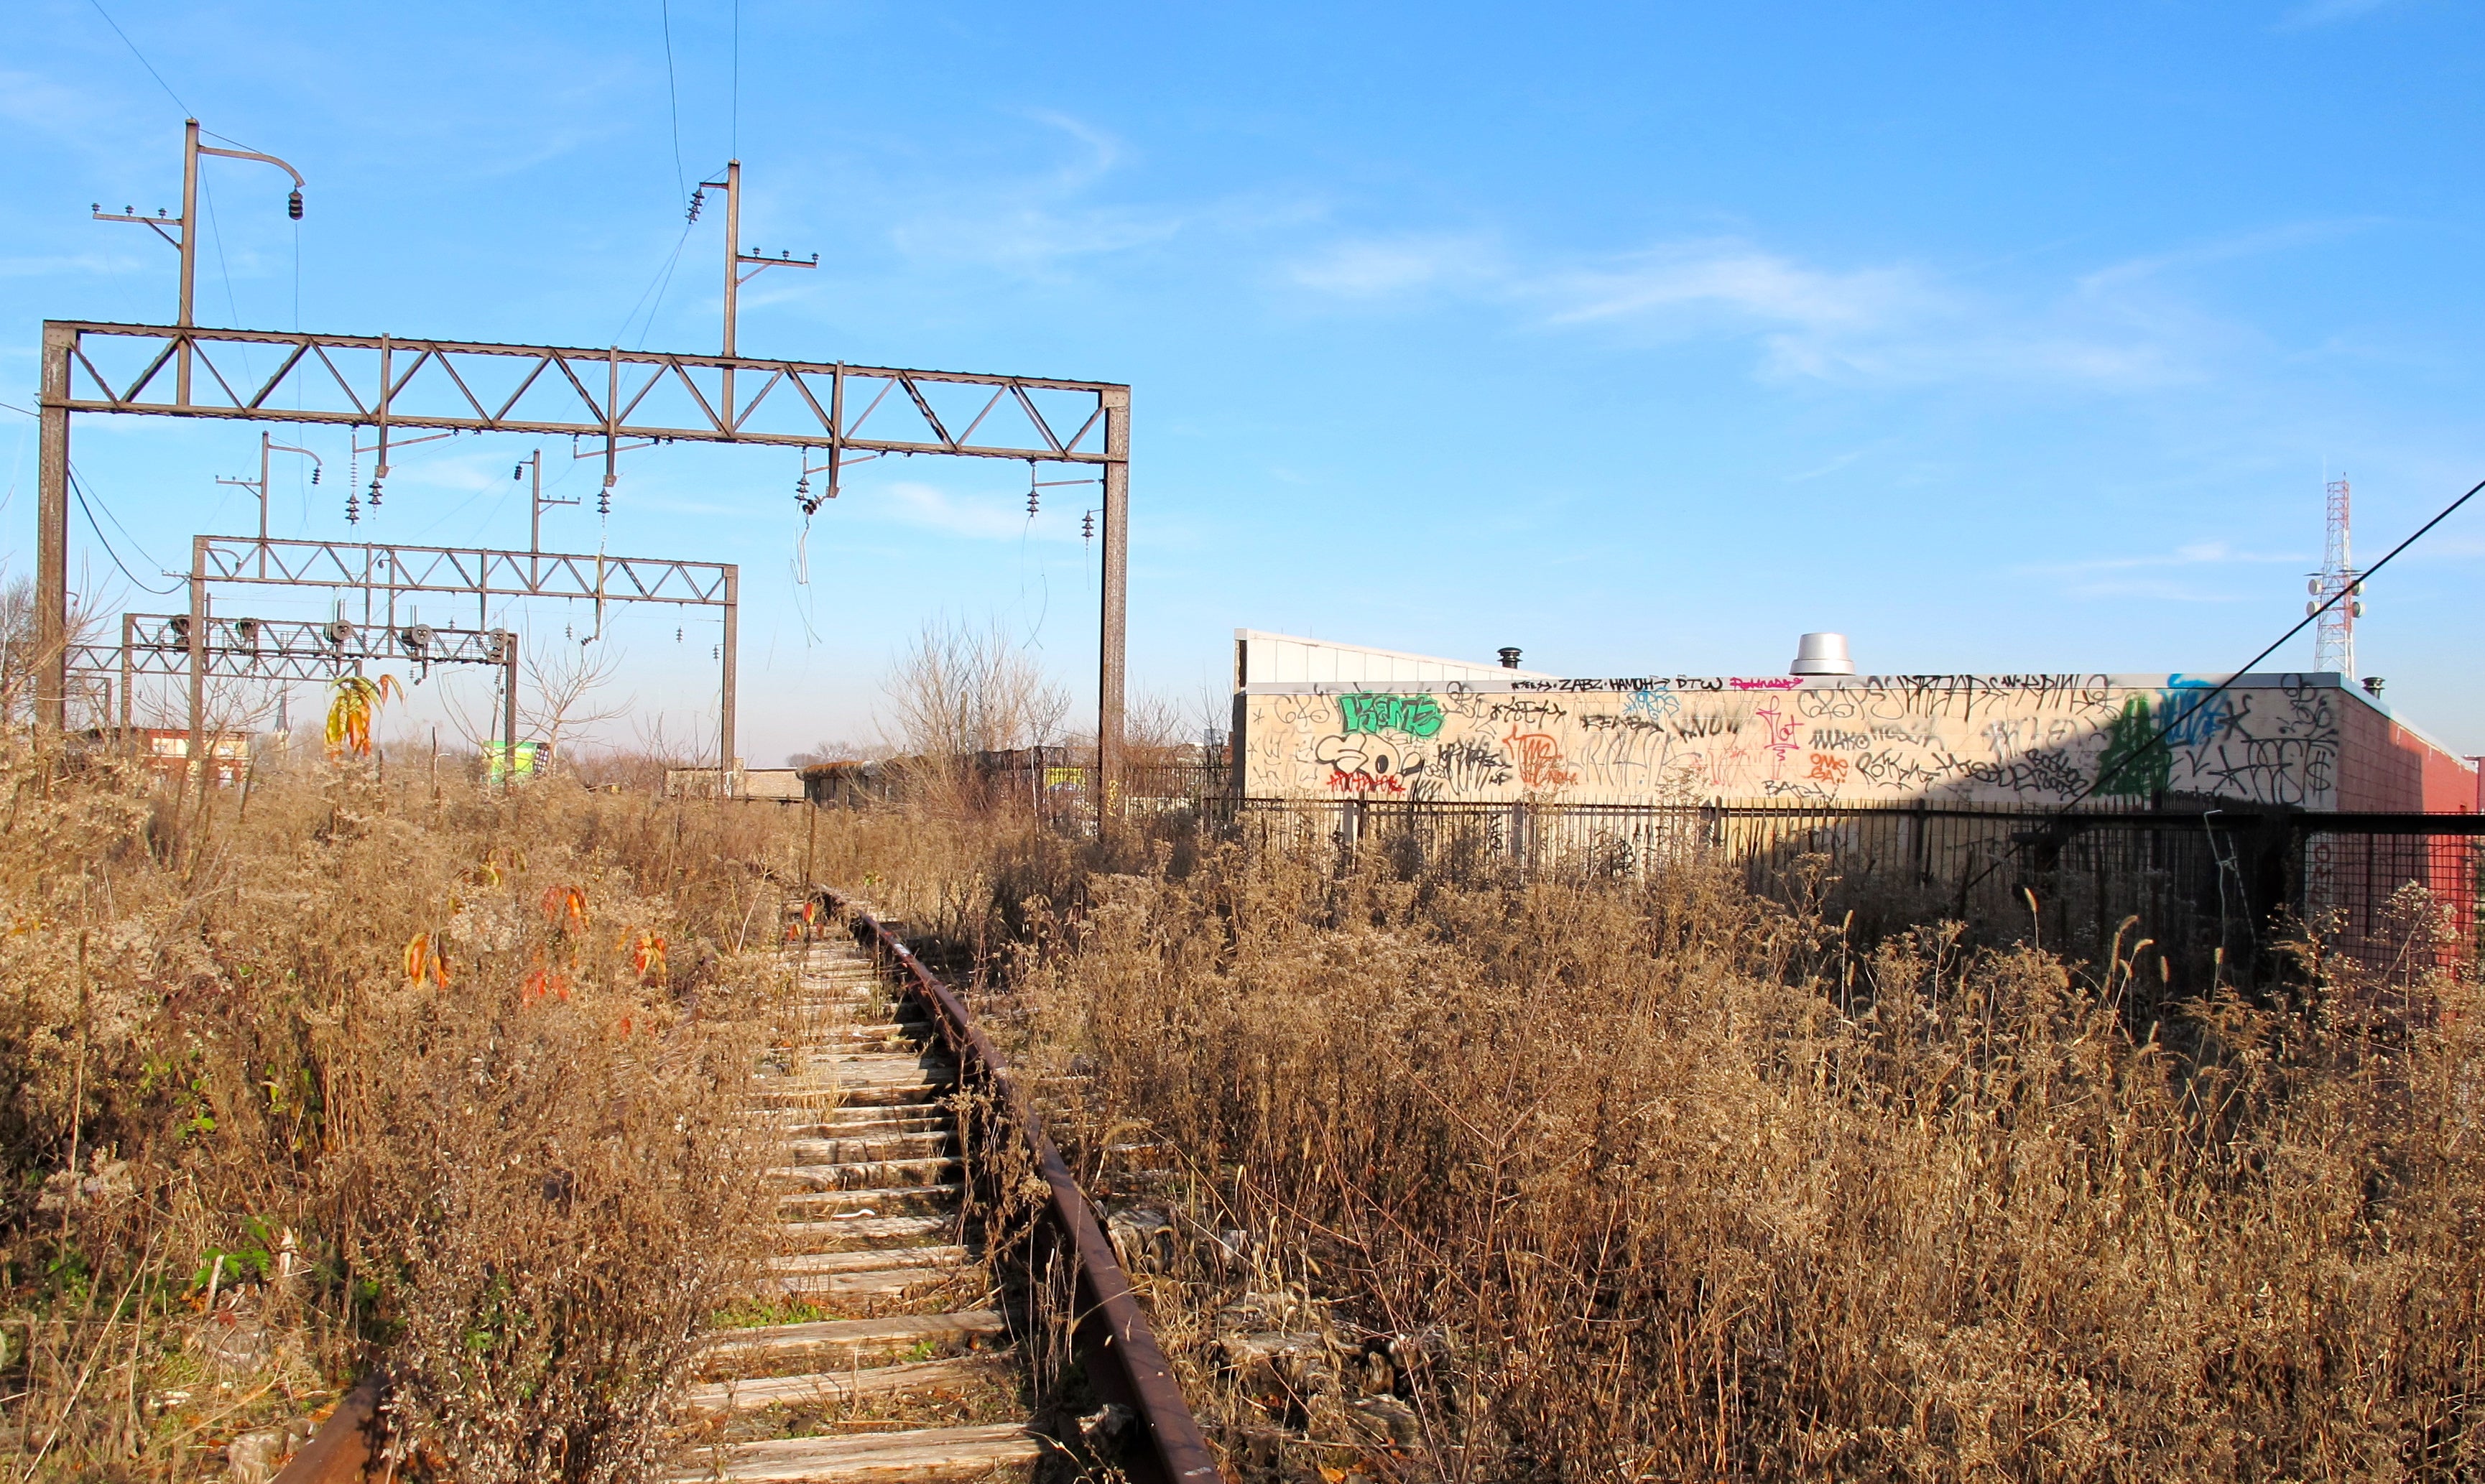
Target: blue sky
x,y
2003,338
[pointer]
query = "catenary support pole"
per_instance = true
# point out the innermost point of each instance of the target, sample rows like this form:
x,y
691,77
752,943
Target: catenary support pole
x,y
189,253
1112,622
725,738
52,536
198,636
732,280
508,712
128,667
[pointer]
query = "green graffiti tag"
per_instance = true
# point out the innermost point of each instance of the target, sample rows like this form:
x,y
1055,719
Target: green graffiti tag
x,y
1416,716
2136,762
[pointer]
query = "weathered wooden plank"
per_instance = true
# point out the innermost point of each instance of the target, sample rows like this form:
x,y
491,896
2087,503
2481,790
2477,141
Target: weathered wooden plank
x,y
926,1457
832,1387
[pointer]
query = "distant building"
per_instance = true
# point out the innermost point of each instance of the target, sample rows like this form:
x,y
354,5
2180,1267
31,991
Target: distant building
x,y
1485,734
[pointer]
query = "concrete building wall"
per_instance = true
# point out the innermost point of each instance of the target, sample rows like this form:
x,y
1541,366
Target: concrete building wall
x,y
2301,741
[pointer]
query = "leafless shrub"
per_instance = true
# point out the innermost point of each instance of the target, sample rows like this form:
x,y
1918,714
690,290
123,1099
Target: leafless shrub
x,y
957,690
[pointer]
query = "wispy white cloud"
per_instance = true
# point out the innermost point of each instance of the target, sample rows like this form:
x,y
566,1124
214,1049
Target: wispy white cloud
x,y
928,507
1036,223
2180,576
1734,277
2117,328
2198,553
1390,267
2327,12
2220,249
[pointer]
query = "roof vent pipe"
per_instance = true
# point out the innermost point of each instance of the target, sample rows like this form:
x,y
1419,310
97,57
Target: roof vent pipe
x,y
1821,654
1509,657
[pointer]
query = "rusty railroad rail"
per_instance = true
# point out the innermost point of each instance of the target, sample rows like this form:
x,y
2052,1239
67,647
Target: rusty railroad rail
x,y
1116,1348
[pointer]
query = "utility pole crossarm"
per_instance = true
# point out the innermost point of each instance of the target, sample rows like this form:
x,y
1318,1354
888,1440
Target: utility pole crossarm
x,y
608,394
158,221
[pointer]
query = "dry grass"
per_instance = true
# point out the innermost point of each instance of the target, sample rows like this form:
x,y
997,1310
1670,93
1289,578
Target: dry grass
x,y
1578,1180
251,1156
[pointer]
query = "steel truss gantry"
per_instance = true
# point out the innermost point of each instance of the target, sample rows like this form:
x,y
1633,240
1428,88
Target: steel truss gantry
x,y
277,649
620,398
381,571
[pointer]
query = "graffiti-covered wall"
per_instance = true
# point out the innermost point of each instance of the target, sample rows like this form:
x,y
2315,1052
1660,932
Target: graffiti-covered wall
x,y
1995,739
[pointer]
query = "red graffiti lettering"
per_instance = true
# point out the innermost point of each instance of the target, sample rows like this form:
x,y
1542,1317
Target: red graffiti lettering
x,y
1538,756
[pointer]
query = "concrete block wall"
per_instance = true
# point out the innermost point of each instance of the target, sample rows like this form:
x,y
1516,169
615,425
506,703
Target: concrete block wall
x,y
2299,740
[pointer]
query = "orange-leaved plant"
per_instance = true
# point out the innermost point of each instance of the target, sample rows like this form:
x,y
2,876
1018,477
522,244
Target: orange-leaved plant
x,y
358,699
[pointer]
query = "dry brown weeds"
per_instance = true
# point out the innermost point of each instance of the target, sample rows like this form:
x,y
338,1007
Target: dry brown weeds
x,y
258,1139
1653,1180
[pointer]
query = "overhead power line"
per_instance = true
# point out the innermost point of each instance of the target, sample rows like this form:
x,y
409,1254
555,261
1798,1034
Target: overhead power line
x,y
77,487
2192,703
186,110
673,97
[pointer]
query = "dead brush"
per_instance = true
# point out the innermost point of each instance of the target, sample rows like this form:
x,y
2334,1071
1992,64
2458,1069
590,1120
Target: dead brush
x,y
327,1073
1655,1180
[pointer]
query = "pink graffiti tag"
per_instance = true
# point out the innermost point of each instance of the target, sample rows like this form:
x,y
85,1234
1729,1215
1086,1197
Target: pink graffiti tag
x,y
1780,737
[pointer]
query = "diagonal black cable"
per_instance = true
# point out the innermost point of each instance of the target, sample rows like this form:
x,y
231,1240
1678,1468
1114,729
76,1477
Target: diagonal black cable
x,y
2192,703
77,487
673,95
141,56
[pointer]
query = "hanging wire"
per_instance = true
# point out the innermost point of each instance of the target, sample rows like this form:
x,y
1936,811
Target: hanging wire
x,y
77,487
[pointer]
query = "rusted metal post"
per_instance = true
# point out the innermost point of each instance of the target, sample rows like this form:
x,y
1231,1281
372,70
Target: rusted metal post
x,y
1113,621
509,711
52,535
725,701
128,633
189,255
197,637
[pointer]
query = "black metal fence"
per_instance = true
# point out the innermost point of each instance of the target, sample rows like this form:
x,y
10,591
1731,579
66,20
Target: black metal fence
x,y
2212,891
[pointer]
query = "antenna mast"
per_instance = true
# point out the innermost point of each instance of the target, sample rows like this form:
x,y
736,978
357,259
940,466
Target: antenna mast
x,y
2333,638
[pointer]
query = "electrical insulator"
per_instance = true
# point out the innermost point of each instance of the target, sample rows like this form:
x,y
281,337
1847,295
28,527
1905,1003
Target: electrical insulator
x,y
677,635
375,491
1030,502
353,510
314,474
604,500
293,205
1087,527
518,472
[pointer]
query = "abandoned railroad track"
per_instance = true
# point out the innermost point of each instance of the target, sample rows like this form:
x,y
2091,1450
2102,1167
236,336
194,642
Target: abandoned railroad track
x,y
920,1333
939,1302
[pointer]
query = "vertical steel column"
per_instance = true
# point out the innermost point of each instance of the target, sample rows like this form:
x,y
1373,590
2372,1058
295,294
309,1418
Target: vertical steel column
x,y
1113,621
508,712
732,279
189,255
725,694
52,536
128,633
197,637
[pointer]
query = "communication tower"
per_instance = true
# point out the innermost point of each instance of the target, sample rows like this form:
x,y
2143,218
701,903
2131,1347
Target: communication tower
x,y
2333,638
